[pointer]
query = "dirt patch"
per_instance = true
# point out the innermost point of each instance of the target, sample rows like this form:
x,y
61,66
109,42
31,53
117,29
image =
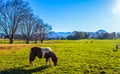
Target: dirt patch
x,y
14,46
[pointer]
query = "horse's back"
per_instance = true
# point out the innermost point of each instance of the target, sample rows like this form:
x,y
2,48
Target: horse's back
x,y
46,51
36,51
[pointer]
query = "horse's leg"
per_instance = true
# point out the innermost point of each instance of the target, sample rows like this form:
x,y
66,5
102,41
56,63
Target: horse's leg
x,y
31,59
47,61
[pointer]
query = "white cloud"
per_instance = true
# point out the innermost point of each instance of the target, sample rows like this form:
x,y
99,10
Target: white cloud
x,y
116,7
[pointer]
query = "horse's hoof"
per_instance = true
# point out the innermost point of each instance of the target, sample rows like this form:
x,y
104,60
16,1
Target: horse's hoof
x,y
30,65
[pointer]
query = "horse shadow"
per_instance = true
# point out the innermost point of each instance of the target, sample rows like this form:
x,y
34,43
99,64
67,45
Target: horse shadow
x,y
21,70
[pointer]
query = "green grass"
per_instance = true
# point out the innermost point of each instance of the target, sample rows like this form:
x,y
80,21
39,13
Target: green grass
x,y
74,57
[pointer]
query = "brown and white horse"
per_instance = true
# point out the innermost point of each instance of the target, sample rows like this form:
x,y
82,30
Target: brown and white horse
x,y
43,53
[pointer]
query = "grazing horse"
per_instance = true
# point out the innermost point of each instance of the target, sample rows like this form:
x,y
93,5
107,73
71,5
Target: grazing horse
x,y
43,53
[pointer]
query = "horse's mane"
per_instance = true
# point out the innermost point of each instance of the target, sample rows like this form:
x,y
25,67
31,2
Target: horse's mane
x,y
53,56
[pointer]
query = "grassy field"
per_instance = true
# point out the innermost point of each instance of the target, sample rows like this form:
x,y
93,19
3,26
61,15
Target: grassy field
x,y
74,57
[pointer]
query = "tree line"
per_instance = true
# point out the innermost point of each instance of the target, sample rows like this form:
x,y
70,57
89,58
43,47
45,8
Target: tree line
x,y
93,35
16,17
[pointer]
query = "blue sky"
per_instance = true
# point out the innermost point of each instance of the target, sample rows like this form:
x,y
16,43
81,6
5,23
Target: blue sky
x,y
80,15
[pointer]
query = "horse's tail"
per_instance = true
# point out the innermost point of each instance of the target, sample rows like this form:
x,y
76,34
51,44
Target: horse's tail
x,y
32,56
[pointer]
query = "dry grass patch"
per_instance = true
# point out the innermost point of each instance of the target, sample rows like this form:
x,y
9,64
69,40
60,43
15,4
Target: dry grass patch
x,y
14,46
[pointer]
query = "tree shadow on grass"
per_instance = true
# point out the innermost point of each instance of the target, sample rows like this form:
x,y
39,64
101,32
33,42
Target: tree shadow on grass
x,y
21,70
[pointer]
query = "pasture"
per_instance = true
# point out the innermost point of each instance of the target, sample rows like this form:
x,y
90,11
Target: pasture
x,y
74,57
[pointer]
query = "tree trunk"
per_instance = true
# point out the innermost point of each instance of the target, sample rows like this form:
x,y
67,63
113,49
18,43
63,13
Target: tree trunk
x,y
35,41
41,41
11,40
27,41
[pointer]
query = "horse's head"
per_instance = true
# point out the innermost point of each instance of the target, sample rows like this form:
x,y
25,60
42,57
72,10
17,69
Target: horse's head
x,y
54,59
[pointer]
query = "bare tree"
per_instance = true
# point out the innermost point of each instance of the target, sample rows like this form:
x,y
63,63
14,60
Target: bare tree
x,y
44,29
40,30
26,27
12,12
35,34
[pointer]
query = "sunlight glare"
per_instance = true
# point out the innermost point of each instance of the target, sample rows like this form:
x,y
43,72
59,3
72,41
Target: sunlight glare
x,y
116,7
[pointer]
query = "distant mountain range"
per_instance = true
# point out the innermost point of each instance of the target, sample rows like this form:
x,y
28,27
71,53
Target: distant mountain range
x,y
56,35
51,35
59,35
96,34
2,35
